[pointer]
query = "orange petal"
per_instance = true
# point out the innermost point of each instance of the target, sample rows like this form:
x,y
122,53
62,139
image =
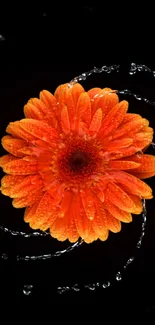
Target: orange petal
x,y
83,105
76,90
114,118
146,163
118,197
65,123
31,111
118,145
58,228
131,127
81,221
65,203
13,145
133,184
15,129
48,99
123,164
46,208
44,111
6,159
88,203
92,236
20,167
116,212
26,186
28,200
106,100
99,223
39,129
96,121
71,227
114,224
105,235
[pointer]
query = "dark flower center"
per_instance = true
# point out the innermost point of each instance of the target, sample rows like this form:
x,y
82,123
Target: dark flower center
x,y
78,161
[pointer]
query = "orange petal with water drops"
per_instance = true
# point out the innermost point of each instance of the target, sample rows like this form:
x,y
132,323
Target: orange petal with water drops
x,y
48,99
30,212
105,235
134,185
131,127
92,236
96,122
13,145
138,203
71,227
45,207
123,164
31,111
114,224
93,93
83,105
119,198
15,129
88,203
117,212
26,186
39,129
81,220
44,111
57,192
20,167
106,101
114,118
146,163
28,200
65,203
76,91
6,159
65,123
99,223
118,145
58,228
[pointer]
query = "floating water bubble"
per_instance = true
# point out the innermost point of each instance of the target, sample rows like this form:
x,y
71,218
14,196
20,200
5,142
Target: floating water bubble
x,y
75,287
91,286
119,276
4,256
27,290
106,284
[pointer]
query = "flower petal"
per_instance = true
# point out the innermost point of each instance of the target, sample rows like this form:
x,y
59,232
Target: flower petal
x,y
114,118
96,121
114,224
13,145
131,127
28,200
26,186
20,167
88,203
65,123
39,129
119,198
133,184
116,212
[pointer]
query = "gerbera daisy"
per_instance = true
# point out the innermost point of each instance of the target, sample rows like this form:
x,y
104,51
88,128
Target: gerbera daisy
x,y
73,163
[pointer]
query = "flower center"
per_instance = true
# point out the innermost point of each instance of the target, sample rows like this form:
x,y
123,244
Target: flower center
x,y
78,161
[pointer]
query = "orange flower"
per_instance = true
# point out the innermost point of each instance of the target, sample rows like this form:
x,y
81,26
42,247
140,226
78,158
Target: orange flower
x,y
72,163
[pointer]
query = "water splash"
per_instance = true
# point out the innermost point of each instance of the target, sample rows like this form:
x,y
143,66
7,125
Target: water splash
x,y
49,256
23,234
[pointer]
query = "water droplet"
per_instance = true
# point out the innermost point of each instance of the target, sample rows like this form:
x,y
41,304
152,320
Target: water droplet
x,y
139,153
4,256
2,38
60,290
27,290
119,276
90,286
106,284
75,287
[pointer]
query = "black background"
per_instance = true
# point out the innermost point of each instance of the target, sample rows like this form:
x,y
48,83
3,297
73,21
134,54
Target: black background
x,y
41,48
